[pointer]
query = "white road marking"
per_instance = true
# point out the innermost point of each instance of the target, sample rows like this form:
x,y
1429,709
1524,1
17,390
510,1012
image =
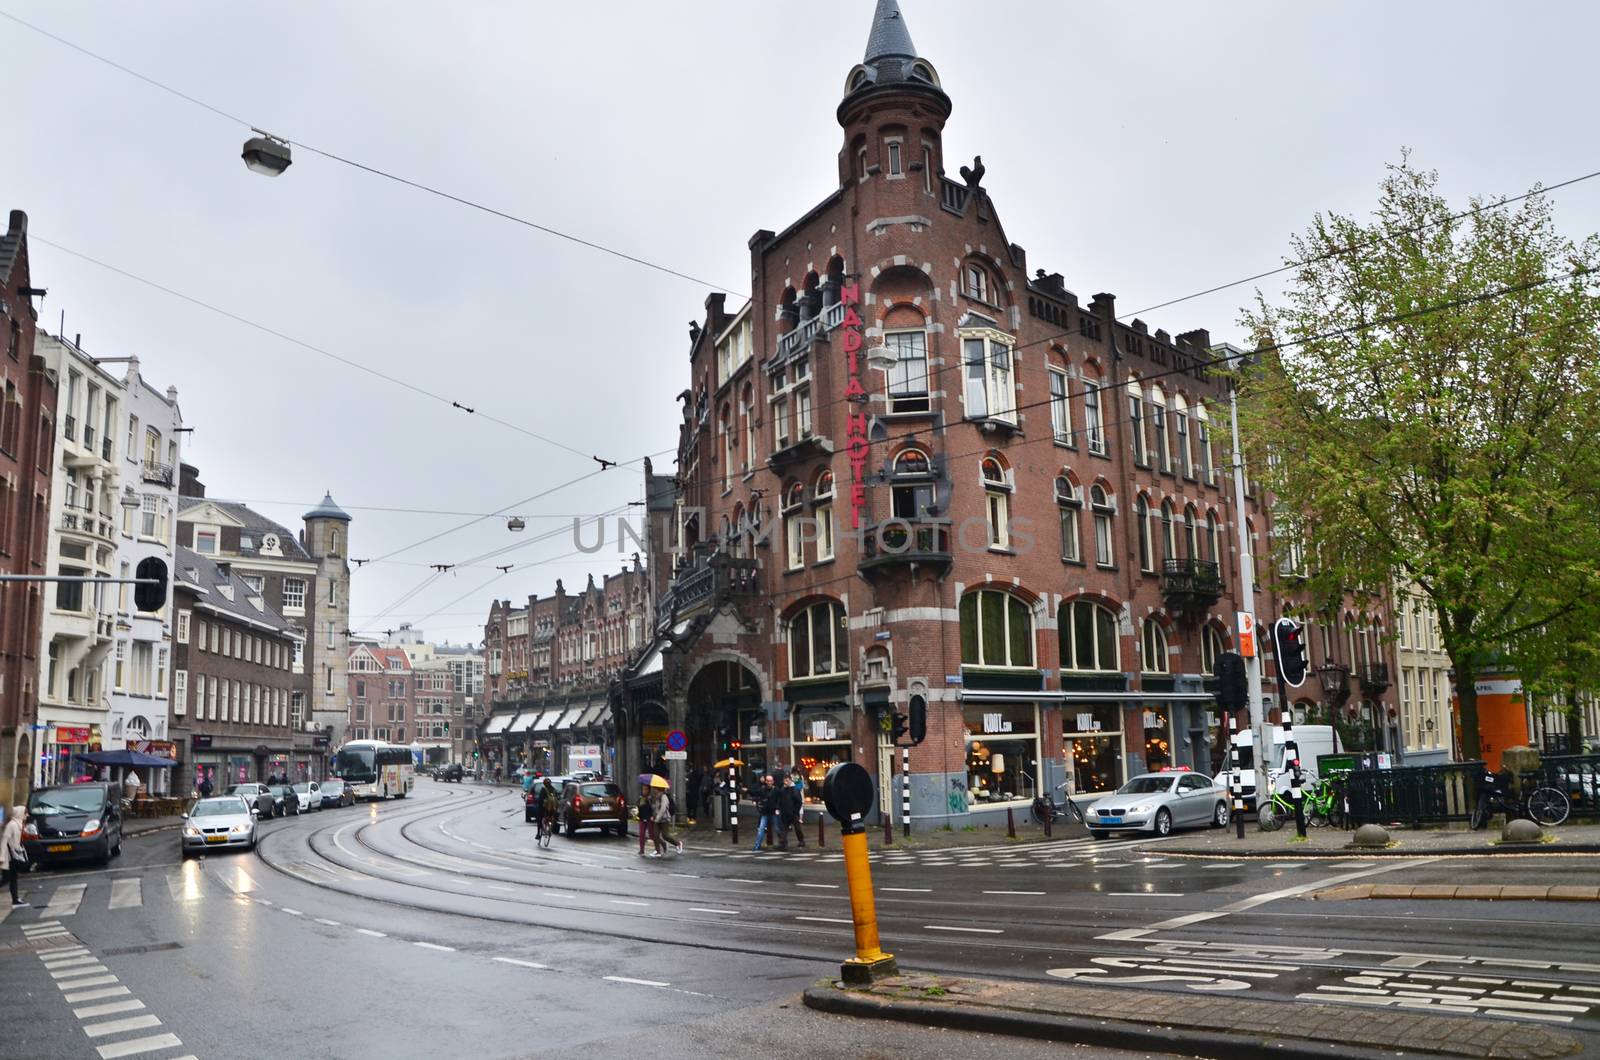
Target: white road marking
x,y
66,899
99,980
824,919
556,894
684,875
622,901
909,890
635,982
721,912
108,1008
435,946
374,934
520,964
133,1046
1285,865
93,968
327,923
293,912
1225,865
735,879
79,958
95,995
126,894
826,886
132,1023
1014,892
1145,894
61,955
971,930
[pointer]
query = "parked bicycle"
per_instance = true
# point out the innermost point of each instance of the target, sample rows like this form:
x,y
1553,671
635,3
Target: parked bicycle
x,y
1547,806
1046,810
1322,802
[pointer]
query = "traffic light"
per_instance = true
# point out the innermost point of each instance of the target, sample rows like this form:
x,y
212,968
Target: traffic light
x,y
1290,650
151,596
447,726
474,752
1233,691
919,719
897,731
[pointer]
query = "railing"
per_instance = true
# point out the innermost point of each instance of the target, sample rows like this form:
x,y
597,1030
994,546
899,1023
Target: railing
x,y
906,541
1191,583
953,196
1375,679
832,316
1577,775
71,427
160,474
717,578
1414,795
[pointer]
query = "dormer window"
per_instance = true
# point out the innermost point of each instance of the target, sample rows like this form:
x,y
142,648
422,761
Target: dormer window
x,y
205,542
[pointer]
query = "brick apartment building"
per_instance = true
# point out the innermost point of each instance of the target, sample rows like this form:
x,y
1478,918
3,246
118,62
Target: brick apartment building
x,y
27,458
233,679
548,668
911,468
416,693
382,695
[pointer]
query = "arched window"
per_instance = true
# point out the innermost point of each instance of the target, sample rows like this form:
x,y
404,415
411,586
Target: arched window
x,y
1180,431
912,489
1169,533
1153,645
996,630
977,282
1136,428
824,514
333,543
997,503
1071,504
1060,406
1191,535
1141,517
819,643
793,525
1202,444
1211,647
1158,425
1213,539
1105,554
738,531
1093,423
748,412
1089,638
730,445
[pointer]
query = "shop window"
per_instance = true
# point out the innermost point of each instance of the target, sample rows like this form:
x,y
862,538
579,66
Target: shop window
x,y
1094,746
1002,752
996,630
819,643
1089,637
1157,739
821,741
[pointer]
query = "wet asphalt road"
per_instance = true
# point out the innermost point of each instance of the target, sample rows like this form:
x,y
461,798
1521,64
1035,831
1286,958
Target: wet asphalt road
x,y
432,926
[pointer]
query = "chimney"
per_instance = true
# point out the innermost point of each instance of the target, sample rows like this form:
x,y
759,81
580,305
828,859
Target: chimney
x,y
1104,306
1200,338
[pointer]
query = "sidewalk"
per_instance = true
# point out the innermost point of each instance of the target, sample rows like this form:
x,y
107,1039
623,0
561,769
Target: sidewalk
x,y
1133,1019
1404,842
132,826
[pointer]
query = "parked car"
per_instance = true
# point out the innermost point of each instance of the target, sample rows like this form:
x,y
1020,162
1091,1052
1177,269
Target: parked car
x,y
258,796
1158,803
593,804
219,822
451,771
530,797
335,792
285,799
309,795
73,821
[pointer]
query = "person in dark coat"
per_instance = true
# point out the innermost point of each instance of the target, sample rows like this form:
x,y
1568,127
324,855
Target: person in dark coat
x,y
692,788
767,806
790,802
205,788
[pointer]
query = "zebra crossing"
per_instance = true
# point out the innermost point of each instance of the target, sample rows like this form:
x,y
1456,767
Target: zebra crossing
x,y
54,903
1059,852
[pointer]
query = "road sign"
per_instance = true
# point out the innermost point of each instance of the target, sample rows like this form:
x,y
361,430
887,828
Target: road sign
x,y
677,756
1247,634
677,741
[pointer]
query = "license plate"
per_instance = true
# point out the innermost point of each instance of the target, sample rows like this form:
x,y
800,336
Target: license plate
x,y
216,839
59,848
601,806
1111,820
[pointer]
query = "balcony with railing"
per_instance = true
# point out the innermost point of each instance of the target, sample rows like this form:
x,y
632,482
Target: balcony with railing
x,y
70,427
708,580
800,337
906,544
953,196
159,474
81,520
1191,584
1375,679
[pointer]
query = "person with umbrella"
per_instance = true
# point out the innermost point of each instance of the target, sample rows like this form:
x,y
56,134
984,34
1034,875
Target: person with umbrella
x,y
646,814
660,809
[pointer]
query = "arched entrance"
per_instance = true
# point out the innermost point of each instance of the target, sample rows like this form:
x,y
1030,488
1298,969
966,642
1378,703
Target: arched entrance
x,y
723,709
651,730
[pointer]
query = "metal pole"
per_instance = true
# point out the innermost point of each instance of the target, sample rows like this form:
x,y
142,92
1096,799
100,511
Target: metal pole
x,y
905,790
1247,600
888,811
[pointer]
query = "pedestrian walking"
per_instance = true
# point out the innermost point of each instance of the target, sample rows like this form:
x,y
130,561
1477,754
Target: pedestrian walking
x,y
205,788
646,816
662,816
790,805
13,856
767,803
708,791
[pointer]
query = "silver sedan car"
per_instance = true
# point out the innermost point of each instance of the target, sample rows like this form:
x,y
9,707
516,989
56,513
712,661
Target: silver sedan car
x,y
1158,803
217,823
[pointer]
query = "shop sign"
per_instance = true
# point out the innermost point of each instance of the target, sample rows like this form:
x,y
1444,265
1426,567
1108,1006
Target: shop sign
x,y
756,735
200,742
653,734
823,729
72,734
856,421
1088,723
1152,720
993,723
163,748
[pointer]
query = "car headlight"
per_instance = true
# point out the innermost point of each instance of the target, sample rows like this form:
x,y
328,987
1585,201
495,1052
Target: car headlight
x,y
240,829
1143,808
91,825
30,831
191,831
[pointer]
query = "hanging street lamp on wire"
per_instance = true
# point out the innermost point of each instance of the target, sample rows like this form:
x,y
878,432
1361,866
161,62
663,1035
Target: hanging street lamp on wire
x,y
266,154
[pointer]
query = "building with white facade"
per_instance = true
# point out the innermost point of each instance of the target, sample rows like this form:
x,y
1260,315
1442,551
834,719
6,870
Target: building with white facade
x,y
1422,679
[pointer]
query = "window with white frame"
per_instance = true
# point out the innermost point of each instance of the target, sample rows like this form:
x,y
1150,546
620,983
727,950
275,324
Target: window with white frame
x,y
1141,451
996,630
1071,505
976,279
1093,422
150,524
1141,519
990,386
205,542
181,633
819,642
1202,440
119,675
294,595
794,526
908,379
1105,554
1089,637
1169,533
1060,407
1180,430
161,673
997,503
1211,648
896,168
180,692
823,515
1158,428
1153,645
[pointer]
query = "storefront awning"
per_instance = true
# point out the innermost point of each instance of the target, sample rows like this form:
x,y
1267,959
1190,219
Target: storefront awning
x,y
570,718
547,721
650,665
524,720
497,724
592,715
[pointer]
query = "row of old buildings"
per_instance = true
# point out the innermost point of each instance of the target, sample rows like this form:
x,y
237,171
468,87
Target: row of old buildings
x,y
241,673
911,469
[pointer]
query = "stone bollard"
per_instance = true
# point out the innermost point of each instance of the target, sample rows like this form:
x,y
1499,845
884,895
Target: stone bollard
x,y
1371,835
1521,831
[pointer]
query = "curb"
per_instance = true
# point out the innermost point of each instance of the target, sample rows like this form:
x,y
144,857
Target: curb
x,y
1398,851
1463,892
150,831
1107,1034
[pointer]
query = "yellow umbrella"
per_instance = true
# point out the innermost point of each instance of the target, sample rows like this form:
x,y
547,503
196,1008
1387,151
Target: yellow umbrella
x,y
658,781
726,762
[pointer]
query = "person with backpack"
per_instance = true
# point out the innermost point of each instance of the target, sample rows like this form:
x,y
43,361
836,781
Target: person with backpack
x,y
663,809
549,805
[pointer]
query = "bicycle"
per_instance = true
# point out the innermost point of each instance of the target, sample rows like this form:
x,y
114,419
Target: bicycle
x,y
544,828
1045,810
1546,806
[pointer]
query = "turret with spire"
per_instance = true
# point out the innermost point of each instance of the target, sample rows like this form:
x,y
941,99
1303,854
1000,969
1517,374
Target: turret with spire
x,y
892,88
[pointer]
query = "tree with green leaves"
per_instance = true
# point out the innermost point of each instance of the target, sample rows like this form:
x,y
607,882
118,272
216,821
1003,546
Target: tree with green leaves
x,y
1427,404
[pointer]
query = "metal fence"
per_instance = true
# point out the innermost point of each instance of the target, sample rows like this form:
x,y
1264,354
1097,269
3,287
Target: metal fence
x,y
1422,795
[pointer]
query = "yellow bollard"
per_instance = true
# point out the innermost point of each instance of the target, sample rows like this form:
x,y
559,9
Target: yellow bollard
x,y
848,792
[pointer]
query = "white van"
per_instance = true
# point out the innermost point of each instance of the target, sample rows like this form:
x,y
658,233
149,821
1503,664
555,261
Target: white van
x,y
1310,740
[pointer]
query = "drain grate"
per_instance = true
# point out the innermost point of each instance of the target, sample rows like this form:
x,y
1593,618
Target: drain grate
x,y
153,947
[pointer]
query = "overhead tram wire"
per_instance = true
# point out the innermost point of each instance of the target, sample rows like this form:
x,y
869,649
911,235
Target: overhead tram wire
x,y
373,170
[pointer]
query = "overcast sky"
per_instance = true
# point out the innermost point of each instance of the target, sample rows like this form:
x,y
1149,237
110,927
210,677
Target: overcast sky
x,y
1150,150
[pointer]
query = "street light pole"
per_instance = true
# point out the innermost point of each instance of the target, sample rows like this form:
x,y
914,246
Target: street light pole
x,y
1247,602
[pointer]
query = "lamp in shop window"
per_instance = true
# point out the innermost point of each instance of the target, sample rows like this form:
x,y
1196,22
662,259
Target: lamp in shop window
x,y
997,763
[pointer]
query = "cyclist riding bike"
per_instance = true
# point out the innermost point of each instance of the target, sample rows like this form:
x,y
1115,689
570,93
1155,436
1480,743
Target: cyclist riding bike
x,y
549,802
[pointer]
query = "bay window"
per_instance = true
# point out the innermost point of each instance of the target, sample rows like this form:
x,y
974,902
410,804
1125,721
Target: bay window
x,y
990,387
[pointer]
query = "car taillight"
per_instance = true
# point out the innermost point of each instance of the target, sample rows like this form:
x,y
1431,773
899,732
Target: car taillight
x,y
577,803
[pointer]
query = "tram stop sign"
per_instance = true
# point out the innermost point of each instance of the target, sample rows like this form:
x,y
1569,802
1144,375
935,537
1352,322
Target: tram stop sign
x,y
848,792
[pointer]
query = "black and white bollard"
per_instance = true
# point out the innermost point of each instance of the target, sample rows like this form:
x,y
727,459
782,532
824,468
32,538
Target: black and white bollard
x,y
1291,757
905,790
1235,781
733,802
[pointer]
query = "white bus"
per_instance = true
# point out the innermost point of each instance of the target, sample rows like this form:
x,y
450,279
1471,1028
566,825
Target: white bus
x,y
374,769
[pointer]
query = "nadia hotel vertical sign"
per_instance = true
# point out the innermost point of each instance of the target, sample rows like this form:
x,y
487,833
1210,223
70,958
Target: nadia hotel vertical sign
x,y
856,427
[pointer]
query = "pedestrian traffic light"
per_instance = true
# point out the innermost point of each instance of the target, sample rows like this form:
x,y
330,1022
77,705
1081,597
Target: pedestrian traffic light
x,y
897,731
447,726
1290,651
919,719
1233,690
150,593
474,752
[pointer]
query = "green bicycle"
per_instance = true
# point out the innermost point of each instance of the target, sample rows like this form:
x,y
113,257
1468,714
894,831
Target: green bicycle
x,y
1324,805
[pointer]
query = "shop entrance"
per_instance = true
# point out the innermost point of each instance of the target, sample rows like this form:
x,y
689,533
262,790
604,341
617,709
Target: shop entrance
x,y
724,708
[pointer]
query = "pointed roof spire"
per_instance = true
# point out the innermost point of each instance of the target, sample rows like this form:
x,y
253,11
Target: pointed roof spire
x,y
889,36
327,509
